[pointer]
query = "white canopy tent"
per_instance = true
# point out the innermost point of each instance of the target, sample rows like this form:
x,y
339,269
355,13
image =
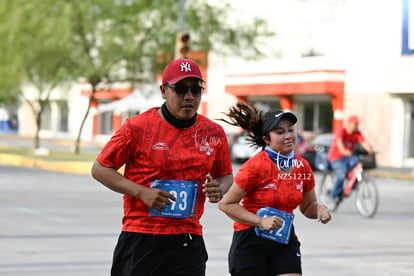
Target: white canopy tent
x,y
136,101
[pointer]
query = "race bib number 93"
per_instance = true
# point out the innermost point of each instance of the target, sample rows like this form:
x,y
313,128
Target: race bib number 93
x,y
185,192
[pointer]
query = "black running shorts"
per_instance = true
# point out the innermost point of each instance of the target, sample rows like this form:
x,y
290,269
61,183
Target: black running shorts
x,y
158,255
252,255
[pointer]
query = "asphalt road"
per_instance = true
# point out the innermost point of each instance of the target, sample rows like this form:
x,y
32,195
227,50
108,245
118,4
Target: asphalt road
x,y
62,224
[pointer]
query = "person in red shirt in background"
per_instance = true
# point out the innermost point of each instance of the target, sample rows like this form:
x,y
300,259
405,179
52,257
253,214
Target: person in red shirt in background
x,y
341,158
275,180
174,159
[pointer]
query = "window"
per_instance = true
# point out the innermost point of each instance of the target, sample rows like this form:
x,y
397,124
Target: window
x,y
408,28
104,123
46,118
318,117
63,116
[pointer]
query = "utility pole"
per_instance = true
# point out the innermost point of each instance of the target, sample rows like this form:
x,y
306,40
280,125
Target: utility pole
x,y
182,39
181,16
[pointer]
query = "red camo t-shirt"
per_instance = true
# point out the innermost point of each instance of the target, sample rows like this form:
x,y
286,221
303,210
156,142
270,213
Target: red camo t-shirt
x,y
349,141
152,149
266,186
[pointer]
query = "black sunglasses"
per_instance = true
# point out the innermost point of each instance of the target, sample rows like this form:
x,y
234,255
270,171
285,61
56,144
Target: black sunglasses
x,y
182,89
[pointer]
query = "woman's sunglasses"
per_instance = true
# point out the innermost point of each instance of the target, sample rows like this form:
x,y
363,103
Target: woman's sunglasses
x,y
182,89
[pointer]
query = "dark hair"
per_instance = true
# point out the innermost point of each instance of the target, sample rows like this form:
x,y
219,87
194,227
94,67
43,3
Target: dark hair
x,y
249,118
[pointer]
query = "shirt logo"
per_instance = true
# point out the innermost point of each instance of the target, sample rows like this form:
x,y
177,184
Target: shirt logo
x,y
300,186
270,186
206,148
203,141
185,66
160,146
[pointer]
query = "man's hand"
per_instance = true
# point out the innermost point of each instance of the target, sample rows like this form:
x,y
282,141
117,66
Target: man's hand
x,y
212,189
347,153
156,198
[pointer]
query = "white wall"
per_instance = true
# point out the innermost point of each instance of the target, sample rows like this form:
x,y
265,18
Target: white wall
x,y
377,75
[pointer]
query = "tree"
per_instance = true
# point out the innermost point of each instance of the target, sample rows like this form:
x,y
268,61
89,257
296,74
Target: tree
x,y
31,54
118,41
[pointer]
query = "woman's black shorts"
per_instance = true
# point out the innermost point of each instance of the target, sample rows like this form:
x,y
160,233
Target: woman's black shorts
x,y
252,255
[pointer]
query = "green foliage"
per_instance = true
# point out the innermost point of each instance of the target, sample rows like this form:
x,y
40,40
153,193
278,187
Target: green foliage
x,y
108,41
50,42
35,48
214,30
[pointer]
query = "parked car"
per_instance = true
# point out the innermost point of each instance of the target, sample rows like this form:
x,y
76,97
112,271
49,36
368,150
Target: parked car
x,y
317,153
318,148
241,150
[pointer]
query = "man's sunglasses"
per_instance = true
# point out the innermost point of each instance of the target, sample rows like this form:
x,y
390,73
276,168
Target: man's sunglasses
x,y
182,89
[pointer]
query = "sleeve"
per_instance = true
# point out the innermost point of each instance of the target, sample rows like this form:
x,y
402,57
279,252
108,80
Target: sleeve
x,y
360,137
222,163
338,135
341,134
118,149
247,176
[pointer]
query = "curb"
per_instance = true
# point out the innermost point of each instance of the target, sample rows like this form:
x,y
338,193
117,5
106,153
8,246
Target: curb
x,y
385,174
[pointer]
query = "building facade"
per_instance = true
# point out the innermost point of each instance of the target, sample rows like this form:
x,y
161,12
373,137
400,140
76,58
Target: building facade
x,y
343,58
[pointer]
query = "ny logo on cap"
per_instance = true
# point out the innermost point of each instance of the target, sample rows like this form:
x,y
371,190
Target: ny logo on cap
x,y
185,66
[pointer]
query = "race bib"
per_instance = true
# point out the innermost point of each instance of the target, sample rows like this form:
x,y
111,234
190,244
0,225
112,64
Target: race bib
x,y
185,192
282,234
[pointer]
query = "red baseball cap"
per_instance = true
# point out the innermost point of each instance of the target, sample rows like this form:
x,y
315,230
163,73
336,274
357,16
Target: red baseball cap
x,y
353,119
180,69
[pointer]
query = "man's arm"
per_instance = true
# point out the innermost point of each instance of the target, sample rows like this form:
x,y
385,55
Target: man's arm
x,y
216,188
366,146
115,181
341,147
225,182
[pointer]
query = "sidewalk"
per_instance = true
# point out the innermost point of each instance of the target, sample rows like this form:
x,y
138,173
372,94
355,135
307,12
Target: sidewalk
x,y
51,144
85,167
389,172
